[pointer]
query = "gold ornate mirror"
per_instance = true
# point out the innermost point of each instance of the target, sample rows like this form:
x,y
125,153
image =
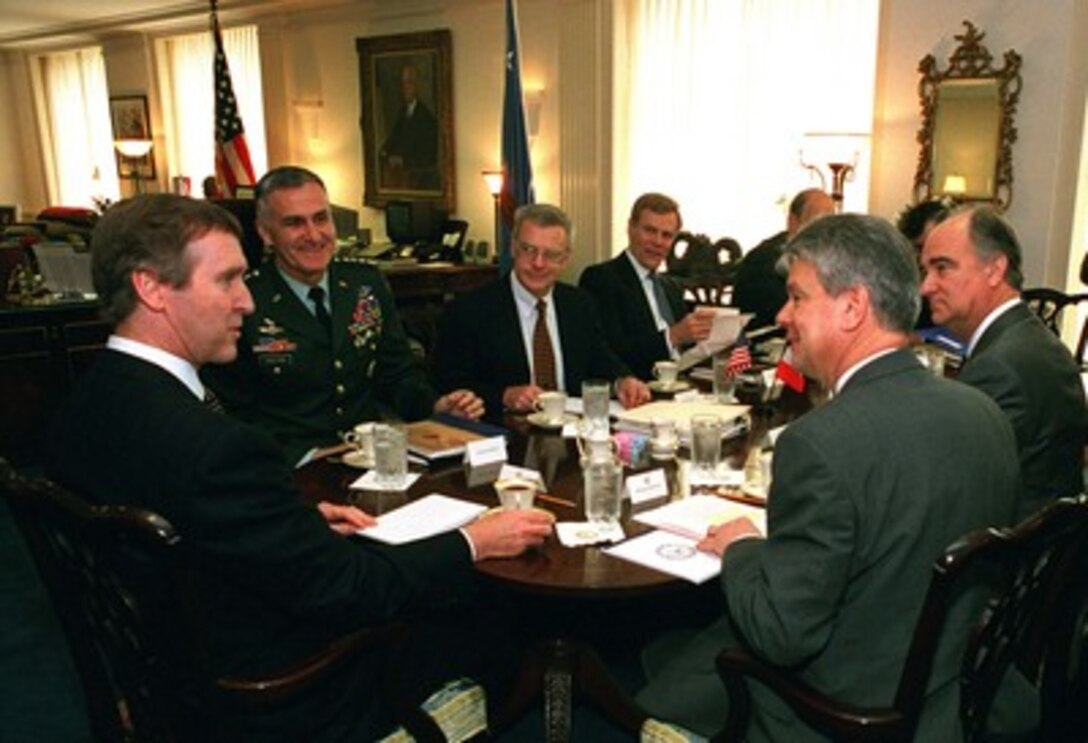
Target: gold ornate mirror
x,y
967,124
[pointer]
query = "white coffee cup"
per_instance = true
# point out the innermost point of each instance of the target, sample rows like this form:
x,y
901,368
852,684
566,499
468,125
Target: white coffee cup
x,y
552,405
361,439
516,494
665,372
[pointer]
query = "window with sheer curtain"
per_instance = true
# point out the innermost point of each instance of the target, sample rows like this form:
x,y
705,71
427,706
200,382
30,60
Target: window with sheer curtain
x,y
80,163
712,100
187,79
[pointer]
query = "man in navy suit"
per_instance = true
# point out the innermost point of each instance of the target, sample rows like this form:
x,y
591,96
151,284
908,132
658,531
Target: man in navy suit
x,y
488,339
972,262
280,583
644,315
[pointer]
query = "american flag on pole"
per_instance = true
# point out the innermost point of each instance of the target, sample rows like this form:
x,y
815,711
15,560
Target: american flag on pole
x,y
740,358
517,170
232,165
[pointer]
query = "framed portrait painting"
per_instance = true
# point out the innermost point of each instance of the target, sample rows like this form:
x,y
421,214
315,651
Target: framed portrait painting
x,y
406,82
128,114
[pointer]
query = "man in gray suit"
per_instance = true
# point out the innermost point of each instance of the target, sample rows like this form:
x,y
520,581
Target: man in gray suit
x,y
866,492
973,280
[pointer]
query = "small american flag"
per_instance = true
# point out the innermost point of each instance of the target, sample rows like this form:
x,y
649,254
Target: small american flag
x,y
740,358
232,164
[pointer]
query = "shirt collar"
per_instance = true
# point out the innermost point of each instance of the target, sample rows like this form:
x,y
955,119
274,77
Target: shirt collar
x,y
641,270
849,373
990,319
523,298
185,372
302,290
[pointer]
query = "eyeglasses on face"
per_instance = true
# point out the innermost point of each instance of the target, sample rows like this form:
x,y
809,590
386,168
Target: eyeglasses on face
x,y
550,255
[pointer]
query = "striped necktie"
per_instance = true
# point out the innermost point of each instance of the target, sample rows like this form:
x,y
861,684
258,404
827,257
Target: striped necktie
x,y
543,353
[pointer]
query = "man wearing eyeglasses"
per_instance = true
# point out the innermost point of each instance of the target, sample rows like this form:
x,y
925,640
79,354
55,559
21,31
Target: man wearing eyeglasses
x,y
529,332
643,313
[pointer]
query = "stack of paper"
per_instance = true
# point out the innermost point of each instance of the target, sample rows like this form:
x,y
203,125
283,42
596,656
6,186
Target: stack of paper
x,y
430,515
692,516
640,419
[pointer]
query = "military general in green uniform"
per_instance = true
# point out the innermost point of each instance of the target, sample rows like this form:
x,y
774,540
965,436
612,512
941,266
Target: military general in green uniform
x,y
325,348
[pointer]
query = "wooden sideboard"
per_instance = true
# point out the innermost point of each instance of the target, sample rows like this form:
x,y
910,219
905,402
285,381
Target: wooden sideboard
x,y
44,348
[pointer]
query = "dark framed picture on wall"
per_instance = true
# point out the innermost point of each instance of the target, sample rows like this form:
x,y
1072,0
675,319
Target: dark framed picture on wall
x,y
405,83
129,116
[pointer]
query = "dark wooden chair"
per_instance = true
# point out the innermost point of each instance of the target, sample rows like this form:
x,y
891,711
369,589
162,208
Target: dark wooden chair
x,y
130,606
1049,305
703,268
1026,566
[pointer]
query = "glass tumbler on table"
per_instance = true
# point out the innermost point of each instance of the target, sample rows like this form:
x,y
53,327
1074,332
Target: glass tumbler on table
x,y
390,455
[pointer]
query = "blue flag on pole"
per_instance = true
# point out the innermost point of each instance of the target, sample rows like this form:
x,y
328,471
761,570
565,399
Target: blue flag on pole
x,y
517,170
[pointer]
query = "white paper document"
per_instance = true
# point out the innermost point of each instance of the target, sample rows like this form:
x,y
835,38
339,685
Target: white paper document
x,y
669,553
422,518
724,330
692,516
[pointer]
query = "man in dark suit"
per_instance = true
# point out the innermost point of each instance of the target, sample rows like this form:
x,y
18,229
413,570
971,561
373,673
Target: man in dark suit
x,y
280,582
973,279
409,156
325,348
759,287
867,491
528,332
644,315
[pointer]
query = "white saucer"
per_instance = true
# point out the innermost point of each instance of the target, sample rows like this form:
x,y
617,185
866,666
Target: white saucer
x,y
752,490
678,386
360,459
540,420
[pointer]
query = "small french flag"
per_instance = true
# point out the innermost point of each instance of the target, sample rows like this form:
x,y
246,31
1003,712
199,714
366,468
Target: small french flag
x,y
790,375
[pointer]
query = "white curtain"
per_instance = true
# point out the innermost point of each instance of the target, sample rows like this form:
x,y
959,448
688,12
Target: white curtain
x,y
187,78
713,97
80,159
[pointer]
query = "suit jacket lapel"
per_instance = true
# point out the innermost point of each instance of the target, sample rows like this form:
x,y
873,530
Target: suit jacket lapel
x,y
508,324
630,278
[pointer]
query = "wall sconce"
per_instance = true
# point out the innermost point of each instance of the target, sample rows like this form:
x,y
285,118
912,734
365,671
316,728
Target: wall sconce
x,y
534,101
132,151
838,152
494,180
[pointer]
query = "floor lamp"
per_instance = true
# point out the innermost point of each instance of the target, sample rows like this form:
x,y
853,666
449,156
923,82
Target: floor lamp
x,y
838,152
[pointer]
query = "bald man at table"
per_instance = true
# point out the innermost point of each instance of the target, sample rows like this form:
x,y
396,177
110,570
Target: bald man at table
x,y
867,491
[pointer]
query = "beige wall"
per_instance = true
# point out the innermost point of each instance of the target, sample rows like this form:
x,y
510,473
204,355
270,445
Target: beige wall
x,y
310,57
1051,37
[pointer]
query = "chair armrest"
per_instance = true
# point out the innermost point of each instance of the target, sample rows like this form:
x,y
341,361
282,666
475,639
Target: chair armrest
x,y
301,675
836,719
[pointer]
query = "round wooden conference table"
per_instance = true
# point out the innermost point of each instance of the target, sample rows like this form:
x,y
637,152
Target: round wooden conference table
x,y
577,589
